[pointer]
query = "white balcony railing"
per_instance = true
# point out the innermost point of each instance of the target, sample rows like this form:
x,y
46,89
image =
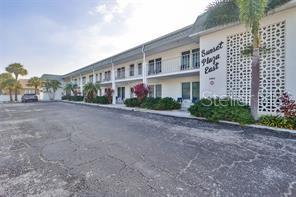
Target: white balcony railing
x,y
127,74
173,65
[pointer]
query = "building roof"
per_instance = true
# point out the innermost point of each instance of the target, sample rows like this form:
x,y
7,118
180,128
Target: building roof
x,y
51,77
173,37
24,83
199,28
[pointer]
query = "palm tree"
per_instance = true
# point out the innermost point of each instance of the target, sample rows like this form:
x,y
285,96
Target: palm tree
x,y
90,91
35,82
51,86
17,69
47,85
10,85
7,83
251,12
71,87
55,85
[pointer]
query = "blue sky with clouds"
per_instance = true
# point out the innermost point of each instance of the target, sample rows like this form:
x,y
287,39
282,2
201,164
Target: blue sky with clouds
x,y
58,36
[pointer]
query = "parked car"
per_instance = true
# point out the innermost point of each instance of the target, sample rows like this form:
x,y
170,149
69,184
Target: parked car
x,y
29,98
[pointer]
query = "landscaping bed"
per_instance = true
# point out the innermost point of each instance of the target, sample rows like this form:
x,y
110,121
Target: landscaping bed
x,y
217,109
153,103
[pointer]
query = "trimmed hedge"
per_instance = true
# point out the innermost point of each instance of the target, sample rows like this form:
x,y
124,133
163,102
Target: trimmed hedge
x,y
153,103
132,102
278,121
100,100
72,98
215,109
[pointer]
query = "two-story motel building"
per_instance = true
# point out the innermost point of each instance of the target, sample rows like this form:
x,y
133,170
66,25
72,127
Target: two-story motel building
x,y
195,62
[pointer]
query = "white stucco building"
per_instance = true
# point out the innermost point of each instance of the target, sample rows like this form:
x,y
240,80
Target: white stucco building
x,y
196,62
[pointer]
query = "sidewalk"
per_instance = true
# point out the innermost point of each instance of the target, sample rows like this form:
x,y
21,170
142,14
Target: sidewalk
x,y
184,114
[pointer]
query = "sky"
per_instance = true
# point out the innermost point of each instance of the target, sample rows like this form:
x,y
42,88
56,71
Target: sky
x,y
59,36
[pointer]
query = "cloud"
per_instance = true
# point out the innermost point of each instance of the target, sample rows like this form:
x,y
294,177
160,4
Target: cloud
x,y
47,45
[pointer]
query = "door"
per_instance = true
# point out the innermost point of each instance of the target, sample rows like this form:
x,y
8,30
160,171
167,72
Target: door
x,y
121,93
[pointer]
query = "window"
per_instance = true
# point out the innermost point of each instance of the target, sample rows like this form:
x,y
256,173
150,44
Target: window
x,y
132,95
90,78
186,90
140,69
107,76
195,90
132,70
83,80
158,90
100,76
75,81
151,67
97,77
195,58
151,92
158,65
185,61
121,73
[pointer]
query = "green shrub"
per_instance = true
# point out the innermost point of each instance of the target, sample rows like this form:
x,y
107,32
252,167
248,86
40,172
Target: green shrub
x,y
215,109
167,103
278,121
150,103
100,100
153,103
132,102
76,98
67,97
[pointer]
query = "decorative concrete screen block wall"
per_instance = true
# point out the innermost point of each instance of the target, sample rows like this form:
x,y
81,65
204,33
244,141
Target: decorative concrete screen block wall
x,y
272,67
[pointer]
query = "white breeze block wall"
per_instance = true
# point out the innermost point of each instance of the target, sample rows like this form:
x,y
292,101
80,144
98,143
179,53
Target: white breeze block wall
x,y
226,72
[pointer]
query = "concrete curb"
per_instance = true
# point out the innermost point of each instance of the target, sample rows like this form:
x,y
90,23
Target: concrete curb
x,y
286,132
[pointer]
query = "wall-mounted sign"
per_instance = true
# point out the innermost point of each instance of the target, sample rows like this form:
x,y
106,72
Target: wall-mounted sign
x,y
212,80
210,58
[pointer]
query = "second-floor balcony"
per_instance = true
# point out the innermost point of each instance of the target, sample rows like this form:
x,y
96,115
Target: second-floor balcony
x,y
173,66
106,79
128,74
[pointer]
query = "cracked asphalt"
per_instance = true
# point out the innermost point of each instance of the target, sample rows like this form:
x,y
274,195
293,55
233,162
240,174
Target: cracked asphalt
x,y
59,149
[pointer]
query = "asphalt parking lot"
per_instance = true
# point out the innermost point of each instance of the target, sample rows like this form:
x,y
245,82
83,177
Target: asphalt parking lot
x,y
59,149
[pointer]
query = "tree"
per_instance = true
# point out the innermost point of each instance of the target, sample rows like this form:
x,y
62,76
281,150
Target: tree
x,y
141,90
7,83
35,82
251,12
90,91
71,87
17,69
108,93
51,86
55,85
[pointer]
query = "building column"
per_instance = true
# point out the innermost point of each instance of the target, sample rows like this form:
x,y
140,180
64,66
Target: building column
x,y
94,79
113,84
144,66
81,89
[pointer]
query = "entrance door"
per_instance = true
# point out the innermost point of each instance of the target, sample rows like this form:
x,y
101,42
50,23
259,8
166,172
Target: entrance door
x,y
121,93
195,92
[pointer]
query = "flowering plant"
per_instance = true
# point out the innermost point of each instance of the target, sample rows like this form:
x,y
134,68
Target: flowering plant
x,y
288,106
141,90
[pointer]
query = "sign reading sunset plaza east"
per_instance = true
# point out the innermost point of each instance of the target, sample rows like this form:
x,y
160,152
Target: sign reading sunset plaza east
x,y
209,60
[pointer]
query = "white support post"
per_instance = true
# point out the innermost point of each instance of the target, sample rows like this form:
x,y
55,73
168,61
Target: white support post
x,y
113,84
144,66
81,90
94,79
